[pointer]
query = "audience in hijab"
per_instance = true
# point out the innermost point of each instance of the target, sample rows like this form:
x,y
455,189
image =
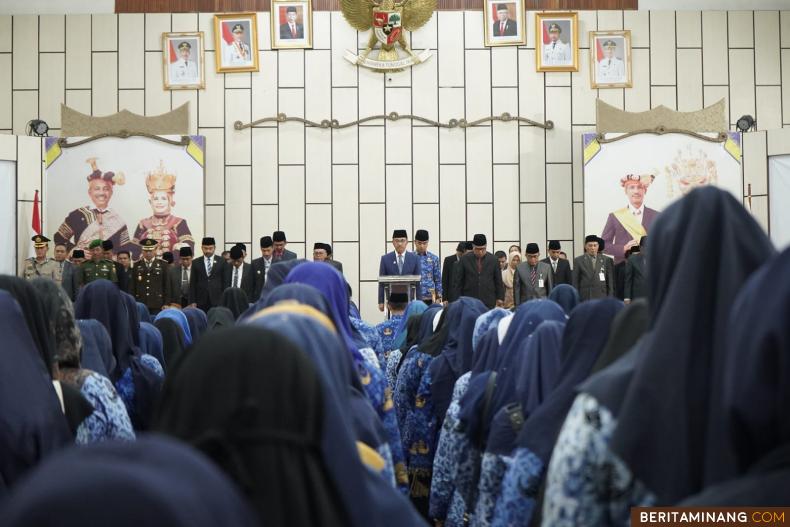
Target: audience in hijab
x,y
108,418
293,410
154,481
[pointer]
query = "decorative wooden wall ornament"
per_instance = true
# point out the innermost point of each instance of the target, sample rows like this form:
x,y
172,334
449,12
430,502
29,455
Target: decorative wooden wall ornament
x,y
610,119
76,124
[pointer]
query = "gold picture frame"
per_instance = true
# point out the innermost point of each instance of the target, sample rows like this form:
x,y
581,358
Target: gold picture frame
x,y
508,32
285,36
614,71
236,54
560,53
184,61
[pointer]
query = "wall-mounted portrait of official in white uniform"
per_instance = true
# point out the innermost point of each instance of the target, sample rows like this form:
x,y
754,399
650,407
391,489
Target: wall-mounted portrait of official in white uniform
x,y
557,41
610,59
236,42
182,54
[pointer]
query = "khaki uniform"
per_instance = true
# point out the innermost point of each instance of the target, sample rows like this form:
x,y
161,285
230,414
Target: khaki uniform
x,y
48,268
90,271
150,283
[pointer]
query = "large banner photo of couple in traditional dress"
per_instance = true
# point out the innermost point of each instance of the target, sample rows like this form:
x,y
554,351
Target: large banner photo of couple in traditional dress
x,y
628,182
125,190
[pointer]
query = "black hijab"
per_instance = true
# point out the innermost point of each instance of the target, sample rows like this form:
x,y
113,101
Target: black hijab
x,y
260,420
35,317
220,317
236,300
96,353
412,333
198,321
172,340
627,328
665,383
59,311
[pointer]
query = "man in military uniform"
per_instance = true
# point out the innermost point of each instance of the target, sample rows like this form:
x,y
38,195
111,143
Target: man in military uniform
x,y
97,267
430,289
184,71
610,69
150,280
40,265
397,307
237,53
556,52
96,221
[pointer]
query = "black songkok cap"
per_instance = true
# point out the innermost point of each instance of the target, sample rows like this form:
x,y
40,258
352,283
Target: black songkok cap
x,y
421,235
479,240
266,241
278,236
184,252
168,257
242,246
601,244
235,253
461,247
469,246
399,233
107,245
591,238
78,253
532,248
398,298
554,245
208,240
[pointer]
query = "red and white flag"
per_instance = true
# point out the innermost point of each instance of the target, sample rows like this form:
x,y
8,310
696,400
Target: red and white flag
x,y
35,226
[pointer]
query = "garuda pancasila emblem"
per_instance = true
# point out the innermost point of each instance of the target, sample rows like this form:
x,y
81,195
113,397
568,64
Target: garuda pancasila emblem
x,y
389,20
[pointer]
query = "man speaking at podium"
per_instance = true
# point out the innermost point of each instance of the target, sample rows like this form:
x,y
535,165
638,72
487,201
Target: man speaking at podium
x,y
398,262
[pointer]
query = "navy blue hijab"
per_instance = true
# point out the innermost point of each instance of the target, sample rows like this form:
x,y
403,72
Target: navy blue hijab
x,y
177,316
754,403
220,317
535,378
96,351
134,316
664,420
198,321
153,481
142,312
151,342
275,277
173,345
585,336
29,435
566,296
456,356
415,308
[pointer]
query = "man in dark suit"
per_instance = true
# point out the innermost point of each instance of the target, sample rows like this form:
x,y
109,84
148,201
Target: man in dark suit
x,y
624,227
532,278
504,27
636,273
149,282
447,270
560,268
478,275
239,273
331,259
398,262
260,267
280,253
65,272
120,271
322,252
179,275
205,280
291,29
593,277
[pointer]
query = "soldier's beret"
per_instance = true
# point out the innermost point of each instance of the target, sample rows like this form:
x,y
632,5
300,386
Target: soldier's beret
x,y
94,244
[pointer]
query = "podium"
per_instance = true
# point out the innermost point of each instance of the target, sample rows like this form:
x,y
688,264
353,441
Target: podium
x,y
407,283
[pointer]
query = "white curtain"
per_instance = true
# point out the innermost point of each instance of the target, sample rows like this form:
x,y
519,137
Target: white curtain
x,y
779,199
8,217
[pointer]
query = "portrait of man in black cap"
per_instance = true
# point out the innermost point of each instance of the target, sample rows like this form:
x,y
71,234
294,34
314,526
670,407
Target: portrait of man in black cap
x,y
477,274
291,29
399,262
504,26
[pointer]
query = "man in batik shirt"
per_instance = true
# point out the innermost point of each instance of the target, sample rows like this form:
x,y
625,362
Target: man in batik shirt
x,y
430,289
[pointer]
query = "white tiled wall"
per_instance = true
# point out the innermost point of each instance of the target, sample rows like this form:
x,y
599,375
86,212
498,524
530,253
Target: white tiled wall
x,y
353,186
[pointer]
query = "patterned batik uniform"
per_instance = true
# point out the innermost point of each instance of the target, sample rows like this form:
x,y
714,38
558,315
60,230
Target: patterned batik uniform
x,y
430,277
171,233
386,331
109,419
86,224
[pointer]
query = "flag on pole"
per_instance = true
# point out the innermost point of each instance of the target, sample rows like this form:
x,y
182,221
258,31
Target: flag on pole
x,y
598,50
227,36
173,54
546,38
35,224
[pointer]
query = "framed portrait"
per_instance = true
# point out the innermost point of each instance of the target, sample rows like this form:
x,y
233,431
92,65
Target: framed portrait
x,y
557,41
236,42
292,24
610,59
504,22
182,57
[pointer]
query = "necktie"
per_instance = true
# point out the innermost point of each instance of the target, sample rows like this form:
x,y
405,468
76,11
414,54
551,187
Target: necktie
x,y
501,28
293,31
533,274
236,277
554,265
184,281
400,263
209,265
553,44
